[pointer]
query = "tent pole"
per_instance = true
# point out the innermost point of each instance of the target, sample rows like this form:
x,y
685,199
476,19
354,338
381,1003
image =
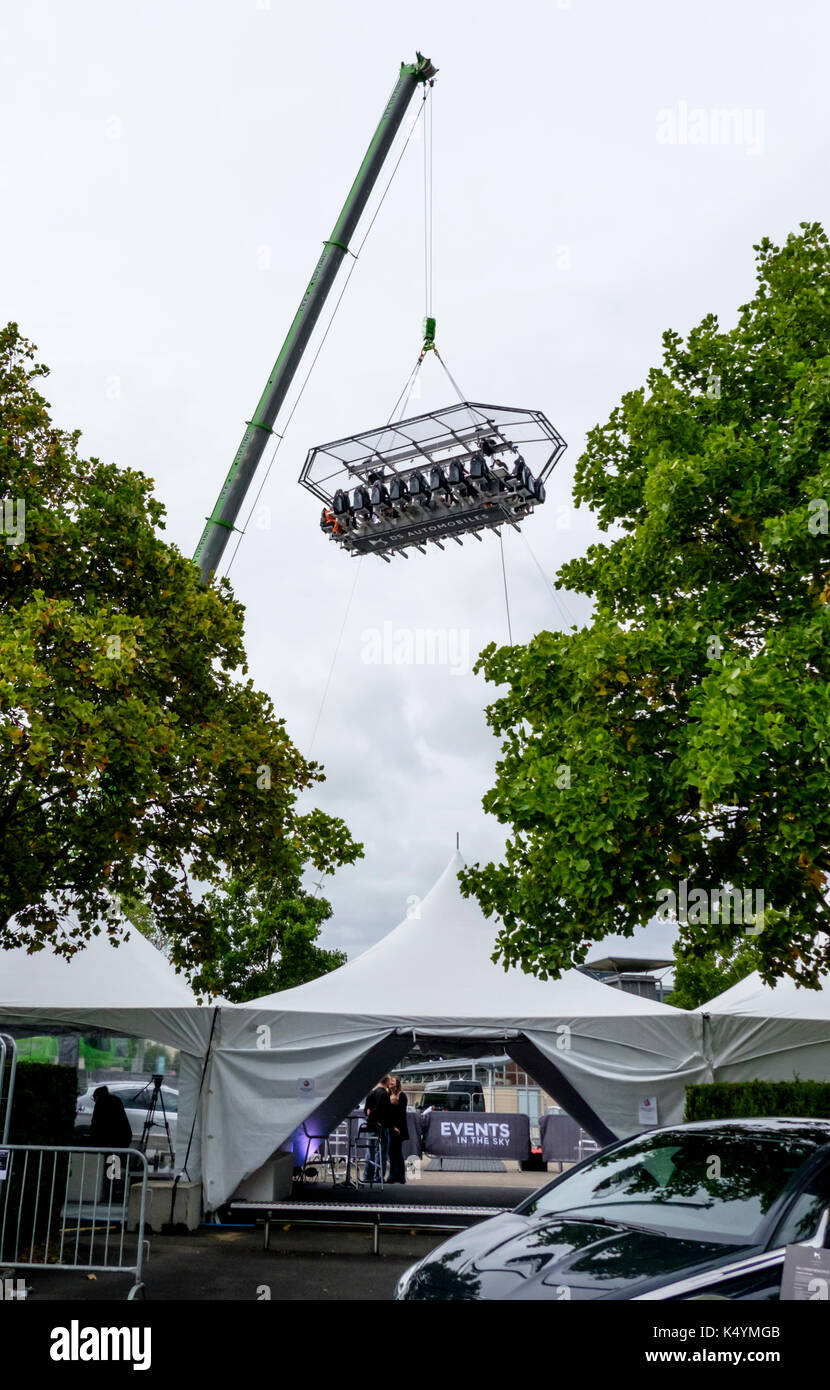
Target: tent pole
x,y
199,1092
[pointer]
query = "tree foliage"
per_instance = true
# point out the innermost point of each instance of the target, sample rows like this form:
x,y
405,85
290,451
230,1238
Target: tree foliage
x,y
263,939
139,914
135,758
685,733
699,978
256,937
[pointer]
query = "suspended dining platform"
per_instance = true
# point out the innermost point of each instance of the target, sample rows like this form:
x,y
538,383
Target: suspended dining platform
x,y
435,477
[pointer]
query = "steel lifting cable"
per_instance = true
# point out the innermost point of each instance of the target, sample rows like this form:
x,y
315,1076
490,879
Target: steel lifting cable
x,y
428,226
403,398
355,257
506,599
429,252
428,284
428,289
399,408
565,616
429,262
336,654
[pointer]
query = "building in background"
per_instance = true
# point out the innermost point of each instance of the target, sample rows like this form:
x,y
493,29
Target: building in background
x,y
507,1088
639,964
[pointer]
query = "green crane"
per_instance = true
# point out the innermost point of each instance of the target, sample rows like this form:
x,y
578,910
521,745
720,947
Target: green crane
x,y
222,520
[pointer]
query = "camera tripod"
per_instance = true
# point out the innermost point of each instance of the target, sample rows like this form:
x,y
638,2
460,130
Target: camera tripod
x,y
156,1103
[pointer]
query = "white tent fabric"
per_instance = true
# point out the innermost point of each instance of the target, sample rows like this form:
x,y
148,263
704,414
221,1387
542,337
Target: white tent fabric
x,y
130,988
769,1033
126,988
310,1053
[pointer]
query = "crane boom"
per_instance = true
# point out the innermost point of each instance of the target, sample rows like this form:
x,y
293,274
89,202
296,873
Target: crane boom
x,y
222,520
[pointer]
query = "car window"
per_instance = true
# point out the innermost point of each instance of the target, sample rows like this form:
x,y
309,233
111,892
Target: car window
x,y
801,1221
719,1182
143,1099
439,1100
135,1100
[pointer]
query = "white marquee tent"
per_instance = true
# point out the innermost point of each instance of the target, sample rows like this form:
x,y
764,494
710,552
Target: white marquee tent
x,y
758,1032
103,986
128,989
309,1054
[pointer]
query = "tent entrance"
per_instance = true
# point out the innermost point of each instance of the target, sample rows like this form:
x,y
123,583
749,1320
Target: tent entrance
x,y
385,1055
537,1066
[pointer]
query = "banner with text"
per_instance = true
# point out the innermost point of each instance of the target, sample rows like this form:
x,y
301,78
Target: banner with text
x,y
448,1134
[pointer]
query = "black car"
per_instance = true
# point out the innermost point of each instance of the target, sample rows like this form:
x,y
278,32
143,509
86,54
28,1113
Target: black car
x,y
694,1210
455,1094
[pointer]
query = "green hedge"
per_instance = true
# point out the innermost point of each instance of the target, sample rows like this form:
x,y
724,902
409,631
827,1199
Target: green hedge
x,y
721,1100
43,1109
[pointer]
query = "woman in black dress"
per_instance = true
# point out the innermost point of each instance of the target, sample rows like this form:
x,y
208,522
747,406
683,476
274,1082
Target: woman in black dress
x,y
396,1119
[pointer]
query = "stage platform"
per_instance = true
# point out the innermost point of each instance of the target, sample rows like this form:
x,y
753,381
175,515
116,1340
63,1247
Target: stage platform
x,y
432,1189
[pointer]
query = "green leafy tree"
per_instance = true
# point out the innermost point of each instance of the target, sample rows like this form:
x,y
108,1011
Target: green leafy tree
x,y
257,938
685,733
140,914
136,761
697,979
264,939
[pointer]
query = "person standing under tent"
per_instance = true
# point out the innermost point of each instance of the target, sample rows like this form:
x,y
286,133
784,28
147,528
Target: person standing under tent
x,y
109,1127
398,1132
375,1110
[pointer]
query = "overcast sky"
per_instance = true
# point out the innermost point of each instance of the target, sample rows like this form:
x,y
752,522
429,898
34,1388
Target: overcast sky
x,y
169,171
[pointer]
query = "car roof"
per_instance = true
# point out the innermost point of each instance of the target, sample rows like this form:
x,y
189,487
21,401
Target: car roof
x,y
775,1123
770,1127
451,1081
135,1086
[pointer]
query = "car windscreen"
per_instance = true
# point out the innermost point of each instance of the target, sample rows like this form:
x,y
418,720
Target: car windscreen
x,y
720,1183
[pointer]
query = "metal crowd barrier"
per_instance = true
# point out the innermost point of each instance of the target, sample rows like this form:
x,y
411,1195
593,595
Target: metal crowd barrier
x,y
587,1146
69,1208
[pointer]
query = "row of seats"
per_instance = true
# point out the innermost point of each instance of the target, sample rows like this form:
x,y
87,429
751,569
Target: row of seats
x,y
381,500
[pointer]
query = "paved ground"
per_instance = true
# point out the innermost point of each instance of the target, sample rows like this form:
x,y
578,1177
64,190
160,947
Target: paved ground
x,y
303,1264
222,1264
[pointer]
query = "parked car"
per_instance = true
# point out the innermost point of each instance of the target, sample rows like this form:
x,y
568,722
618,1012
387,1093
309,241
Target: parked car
x,y
455,1094
137,1097
698,1210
